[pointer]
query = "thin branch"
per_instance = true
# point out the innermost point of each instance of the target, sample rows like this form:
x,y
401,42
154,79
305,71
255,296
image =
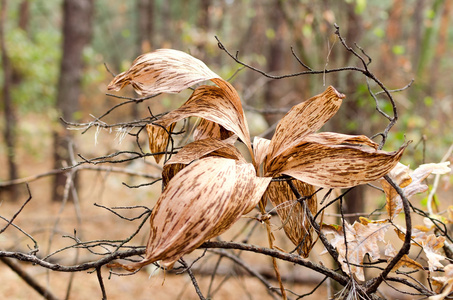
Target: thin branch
x,y
373,284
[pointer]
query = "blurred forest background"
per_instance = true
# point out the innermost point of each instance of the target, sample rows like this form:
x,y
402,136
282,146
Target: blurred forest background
x,y
55,53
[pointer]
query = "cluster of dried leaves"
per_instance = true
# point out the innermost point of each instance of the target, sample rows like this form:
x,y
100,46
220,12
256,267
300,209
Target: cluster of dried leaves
x,y
209,183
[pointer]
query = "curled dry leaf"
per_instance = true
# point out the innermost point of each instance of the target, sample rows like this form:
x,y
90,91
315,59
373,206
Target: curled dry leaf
x,y
291,212
432,245
158,139
304,119
410,181
207,129
200,202
197,150
216,105
361,239
163,71
260,149
444,283
334,166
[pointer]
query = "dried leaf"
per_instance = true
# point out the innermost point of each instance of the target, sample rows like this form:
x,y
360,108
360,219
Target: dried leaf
x,y
431,245
260,149
163,71
321,161
197,150
158,139
200,202
216,105
291,213
444,283
410,181
304,119
406,261
361,239
207,129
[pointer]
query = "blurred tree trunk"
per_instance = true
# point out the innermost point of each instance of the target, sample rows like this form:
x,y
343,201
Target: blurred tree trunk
x,y
145,9
77,31
272,93
10,115
354,200
416,40
393,36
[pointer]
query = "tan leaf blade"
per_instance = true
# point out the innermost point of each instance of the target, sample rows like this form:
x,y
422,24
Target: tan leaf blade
x,y
197,150
207,129
432,245
291,213
163,71
304,119
361,239
260,149
158,139
332,165
216,105
410,181
200,202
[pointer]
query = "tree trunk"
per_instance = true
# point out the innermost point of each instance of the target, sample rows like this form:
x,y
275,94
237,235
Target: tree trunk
x,y
354,200
274,60
77,31
10,115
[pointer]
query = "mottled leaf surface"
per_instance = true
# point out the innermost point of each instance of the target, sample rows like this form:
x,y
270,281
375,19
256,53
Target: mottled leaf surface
x,y
291,213
260,149
216,105
304,119
201,201
334,166
197,150
410,181
163,71
158,139
361,239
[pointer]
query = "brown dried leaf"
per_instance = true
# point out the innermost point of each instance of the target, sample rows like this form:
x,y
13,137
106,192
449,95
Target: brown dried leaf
x,y
444,283
158,139
197,150
410,181
200,202
216,105
431,245
361,239
321,161
291,213
260,149
163,71
207,129
304,119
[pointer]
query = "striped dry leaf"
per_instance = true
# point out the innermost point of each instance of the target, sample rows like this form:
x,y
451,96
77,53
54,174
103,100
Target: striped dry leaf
x,y
260,149
158,139
334,163
214,104
207,129
303,119
291,212
163,71
200,202
197,150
